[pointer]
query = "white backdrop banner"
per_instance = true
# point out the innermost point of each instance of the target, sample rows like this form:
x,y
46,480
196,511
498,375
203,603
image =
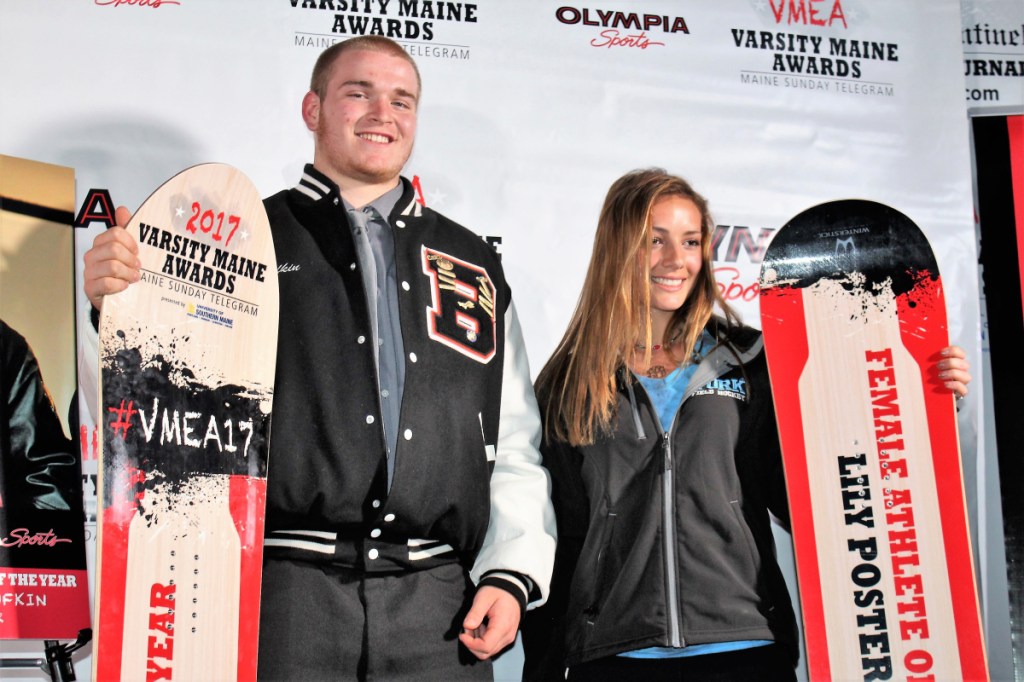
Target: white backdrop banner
x,y
530,110
993,41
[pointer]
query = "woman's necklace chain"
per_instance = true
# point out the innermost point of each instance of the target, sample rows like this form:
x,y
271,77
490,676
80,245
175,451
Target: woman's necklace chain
x,y
659,346
659,371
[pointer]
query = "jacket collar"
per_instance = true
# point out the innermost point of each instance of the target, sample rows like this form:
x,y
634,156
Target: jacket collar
x,y
317,186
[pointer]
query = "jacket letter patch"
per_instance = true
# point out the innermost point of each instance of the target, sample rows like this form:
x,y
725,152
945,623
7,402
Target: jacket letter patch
x,y
462,312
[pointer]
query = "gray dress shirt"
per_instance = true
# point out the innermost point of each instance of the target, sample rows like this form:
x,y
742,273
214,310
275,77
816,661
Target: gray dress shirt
x,y
375,250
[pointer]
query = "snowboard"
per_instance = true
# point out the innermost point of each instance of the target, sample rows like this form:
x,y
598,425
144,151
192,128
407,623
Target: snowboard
x,y
854,317
187,359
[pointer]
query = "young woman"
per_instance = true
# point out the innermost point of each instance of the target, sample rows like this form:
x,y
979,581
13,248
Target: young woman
x,y
661,441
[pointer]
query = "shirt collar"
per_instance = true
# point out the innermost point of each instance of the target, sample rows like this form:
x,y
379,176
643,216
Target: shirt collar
x,y
383,204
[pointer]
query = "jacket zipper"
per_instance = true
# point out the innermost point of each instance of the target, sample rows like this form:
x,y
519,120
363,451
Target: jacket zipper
x,y
668,517
669,535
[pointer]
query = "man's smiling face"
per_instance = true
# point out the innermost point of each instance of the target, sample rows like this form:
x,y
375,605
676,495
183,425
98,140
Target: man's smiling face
x,y
365,121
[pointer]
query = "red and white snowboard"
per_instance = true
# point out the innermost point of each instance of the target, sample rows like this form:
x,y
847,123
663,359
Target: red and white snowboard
x,y
854,317
187,358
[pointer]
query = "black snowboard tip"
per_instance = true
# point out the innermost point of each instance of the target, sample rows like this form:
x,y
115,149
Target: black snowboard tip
x,y
837,238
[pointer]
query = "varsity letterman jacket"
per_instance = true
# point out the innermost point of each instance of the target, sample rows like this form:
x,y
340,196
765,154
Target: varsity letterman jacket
x,y
665,538
468,485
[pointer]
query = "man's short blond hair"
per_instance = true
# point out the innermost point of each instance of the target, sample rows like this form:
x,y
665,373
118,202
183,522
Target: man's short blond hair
x,y
371,43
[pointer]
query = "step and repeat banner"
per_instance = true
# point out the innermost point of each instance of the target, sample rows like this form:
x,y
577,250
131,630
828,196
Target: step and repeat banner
x,y
530,110
992,36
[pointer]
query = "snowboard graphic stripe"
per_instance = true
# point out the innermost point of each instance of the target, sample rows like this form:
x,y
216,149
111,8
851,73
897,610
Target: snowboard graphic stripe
x,y
248,496
777,307
924,327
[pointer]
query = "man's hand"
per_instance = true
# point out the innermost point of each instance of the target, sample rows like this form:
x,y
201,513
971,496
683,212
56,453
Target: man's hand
x,y
113,261
500,610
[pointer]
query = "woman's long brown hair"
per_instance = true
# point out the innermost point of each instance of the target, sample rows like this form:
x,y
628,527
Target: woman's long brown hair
x,y
577,386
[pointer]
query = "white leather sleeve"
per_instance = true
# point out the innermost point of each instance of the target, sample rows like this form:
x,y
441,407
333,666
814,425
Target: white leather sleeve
x,y
521,533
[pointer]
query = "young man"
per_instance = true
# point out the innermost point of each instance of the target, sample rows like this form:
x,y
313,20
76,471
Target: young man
x,y
407,510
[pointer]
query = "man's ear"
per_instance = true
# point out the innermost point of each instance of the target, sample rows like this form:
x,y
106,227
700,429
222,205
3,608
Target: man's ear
x,y
311,110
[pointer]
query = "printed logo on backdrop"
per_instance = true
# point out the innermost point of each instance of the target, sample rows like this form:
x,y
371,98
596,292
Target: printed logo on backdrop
x,y
612,28
432,29
815,46
136,3
737,252
993,43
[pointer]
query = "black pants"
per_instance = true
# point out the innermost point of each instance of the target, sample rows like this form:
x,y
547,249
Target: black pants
x,y
320,622
760,664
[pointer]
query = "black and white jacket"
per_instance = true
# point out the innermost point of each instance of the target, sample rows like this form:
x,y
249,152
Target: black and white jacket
x,y
665,538
468,484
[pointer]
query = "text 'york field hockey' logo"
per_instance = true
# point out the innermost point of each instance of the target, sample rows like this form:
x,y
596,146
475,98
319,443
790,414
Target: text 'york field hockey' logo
x,y
461,315
729,388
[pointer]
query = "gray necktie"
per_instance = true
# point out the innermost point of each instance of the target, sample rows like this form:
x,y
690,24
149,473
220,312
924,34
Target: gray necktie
x,y
361,235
